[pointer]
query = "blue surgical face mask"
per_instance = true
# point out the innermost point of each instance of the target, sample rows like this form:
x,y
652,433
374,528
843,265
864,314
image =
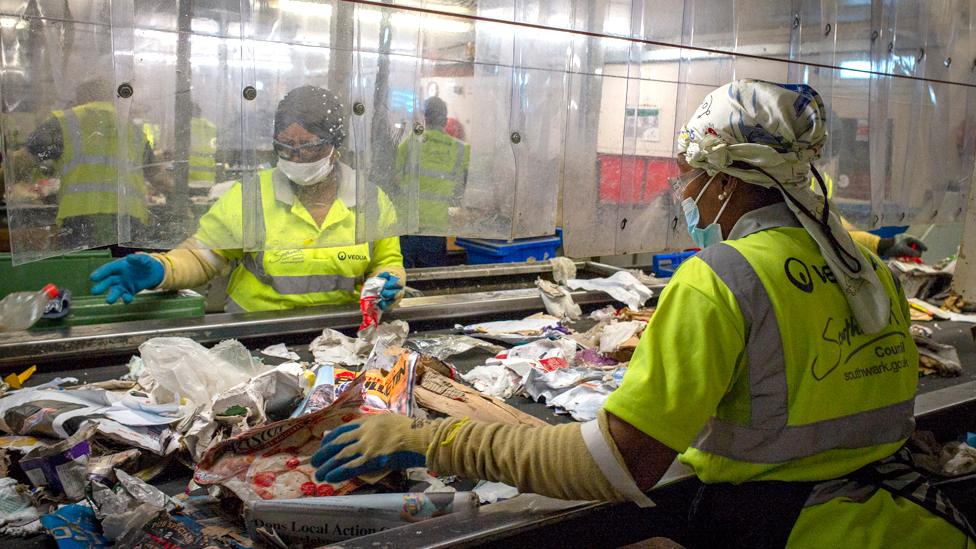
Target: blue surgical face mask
x,y
712,233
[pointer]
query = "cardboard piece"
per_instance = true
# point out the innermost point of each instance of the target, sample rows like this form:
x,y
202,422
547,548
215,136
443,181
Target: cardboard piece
x,y
443,395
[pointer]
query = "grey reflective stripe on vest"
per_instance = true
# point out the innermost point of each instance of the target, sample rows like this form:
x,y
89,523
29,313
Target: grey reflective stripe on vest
x,y
768,438
76,188
298,284
78,156
232,306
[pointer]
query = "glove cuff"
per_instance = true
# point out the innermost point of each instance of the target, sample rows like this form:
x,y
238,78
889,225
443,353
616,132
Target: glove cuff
x,y
885,244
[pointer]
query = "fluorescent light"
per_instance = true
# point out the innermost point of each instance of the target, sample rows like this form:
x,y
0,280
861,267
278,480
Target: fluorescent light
x,y
304,7
410,21
8,22
855,69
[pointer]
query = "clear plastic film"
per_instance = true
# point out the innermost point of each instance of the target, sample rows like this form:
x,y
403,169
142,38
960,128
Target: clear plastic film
x,y
831,42
386,104
179,74
944,111
620,133
299,160
59,127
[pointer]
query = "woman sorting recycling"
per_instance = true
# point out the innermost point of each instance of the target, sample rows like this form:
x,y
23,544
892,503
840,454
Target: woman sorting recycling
x,y
308,220
790,395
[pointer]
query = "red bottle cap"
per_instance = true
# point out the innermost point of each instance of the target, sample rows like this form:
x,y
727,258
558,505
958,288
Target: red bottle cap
x,y
51,290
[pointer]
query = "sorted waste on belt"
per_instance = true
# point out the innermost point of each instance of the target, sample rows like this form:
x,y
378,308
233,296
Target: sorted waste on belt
x,y
79,461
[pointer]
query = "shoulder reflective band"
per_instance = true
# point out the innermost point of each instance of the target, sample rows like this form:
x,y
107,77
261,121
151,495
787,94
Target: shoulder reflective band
x,y
298,284
78,155
768,438
614,472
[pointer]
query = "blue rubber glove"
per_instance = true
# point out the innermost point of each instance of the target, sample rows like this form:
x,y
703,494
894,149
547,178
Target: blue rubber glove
x,y
390,290
373,443
124,278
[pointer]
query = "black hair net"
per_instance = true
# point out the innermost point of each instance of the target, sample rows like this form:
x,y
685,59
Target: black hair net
x,y
318,110
435,112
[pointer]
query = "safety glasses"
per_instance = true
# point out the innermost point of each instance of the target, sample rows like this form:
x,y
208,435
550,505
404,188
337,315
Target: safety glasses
x,y
306,152
679,183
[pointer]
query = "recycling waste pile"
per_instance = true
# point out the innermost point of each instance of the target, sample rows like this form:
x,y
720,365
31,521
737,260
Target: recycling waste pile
x,y
83,462
211,447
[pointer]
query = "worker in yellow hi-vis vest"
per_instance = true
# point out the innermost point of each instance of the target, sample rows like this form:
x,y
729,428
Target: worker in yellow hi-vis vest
x,y
203,146
102,183
779,366
305,212
443,172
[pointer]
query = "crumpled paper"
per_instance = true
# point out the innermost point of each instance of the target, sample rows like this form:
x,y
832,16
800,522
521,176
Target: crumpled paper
x,y
558,301
563,269
616,333
334,347
622,286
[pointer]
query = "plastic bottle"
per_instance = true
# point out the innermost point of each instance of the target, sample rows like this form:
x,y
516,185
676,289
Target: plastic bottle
x,y
20,310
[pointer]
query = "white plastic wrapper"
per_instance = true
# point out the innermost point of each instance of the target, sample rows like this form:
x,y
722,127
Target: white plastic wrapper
x,y
184,368
558,301
280,350
623,286
563,269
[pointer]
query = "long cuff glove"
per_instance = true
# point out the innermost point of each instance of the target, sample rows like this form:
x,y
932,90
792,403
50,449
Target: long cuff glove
x,y
554,460
901,246
124,278
380,442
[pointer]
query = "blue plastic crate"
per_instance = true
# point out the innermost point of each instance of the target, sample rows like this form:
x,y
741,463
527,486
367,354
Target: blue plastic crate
x,y
664,265
889,231
483,250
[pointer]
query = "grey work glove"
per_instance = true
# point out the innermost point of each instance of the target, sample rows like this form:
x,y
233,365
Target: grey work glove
x,y
901,246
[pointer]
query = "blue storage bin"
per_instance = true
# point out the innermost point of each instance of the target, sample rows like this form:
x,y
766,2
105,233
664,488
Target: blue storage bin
x,y
889,231
664,265
483,250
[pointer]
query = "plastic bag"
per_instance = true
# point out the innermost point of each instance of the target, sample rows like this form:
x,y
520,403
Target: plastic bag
x,y
622,286
369,302
184,368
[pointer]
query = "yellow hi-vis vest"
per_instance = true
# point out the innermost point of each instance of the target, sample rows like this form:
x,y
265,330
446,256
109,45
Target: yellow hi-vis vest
x,y
93,176
302,264
754,368
443,167
203,145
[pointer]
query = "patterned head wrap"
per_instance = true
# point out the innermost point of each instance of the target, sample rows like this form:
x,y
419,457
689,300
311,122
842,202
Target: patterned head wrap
x,y
768,135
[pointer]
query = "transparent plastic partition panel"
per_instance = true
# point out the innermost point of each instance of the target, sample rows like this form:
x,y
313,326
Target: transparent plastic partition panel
x,y
179,74
949,109
846,160
762,29
59,127
879,124
594,135
466,172
646,215
299,78
962,120
388,62
538,119
907,47
918,193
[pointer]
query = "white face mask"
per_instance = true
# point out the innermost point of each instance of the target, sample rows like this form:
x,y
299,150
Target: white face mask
x,y
306,173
